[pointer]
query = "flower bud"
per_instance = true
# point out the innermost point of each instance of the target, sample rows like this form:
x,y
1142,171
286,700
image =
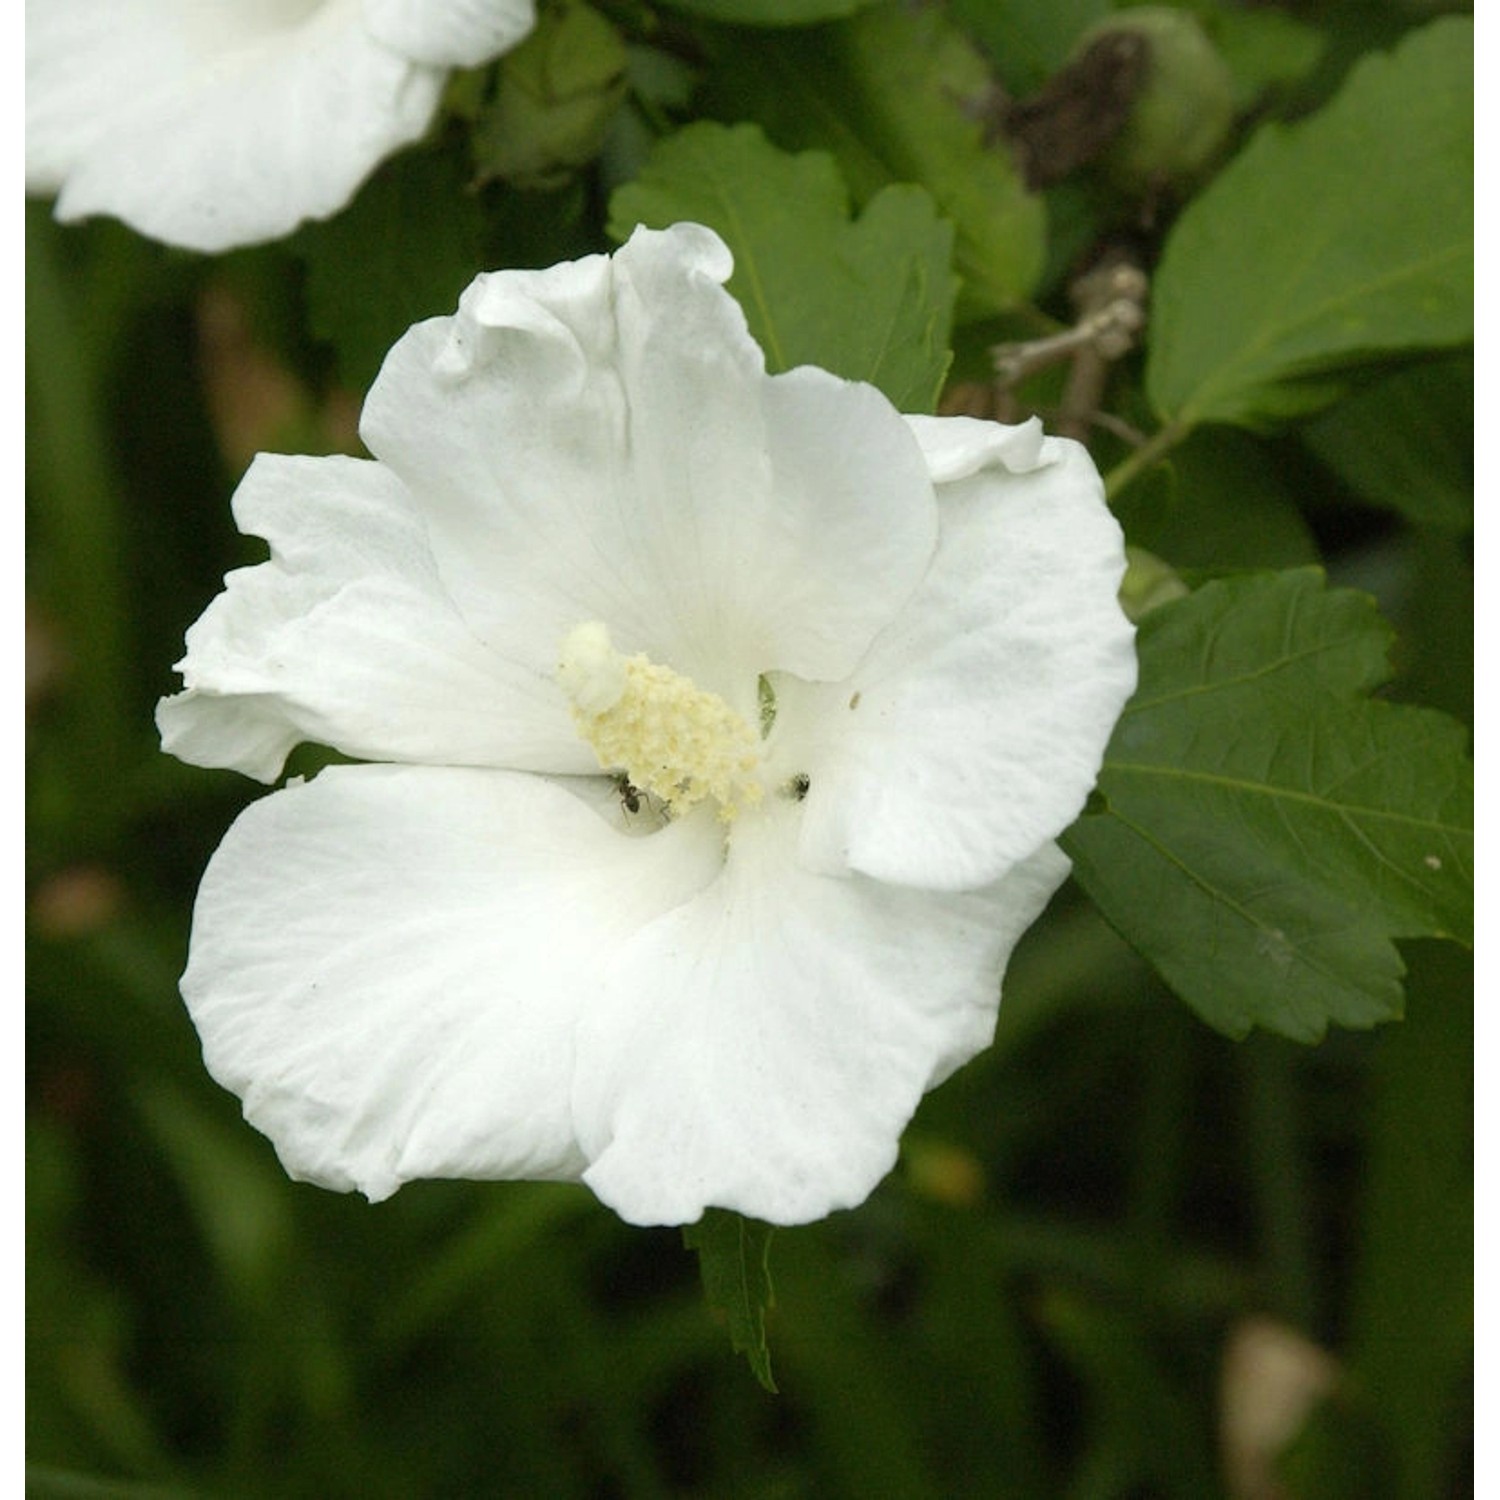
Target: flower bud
x,y
1180,118
556,96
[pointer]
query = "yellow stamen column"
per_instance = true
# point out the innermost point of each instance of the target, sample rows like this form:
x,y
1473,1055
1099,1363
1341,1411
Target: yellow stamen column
x,y
666,734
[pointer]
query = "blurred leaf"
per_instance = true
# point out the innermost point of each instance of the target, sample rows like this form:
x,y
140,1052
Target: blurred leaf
x,y
1029,40
1412,1333
1324,245
1144,1437
769,12
1265,49
532,230
45,1483
80,1405
1268,830
1222,501
734,1257
1273,1113
1341,1453
1072,962
556,94
1435,619
977,1358
870,300
849,1374
73,494
1407,443
900,95
402,251
1148,584
662,80
236,1195
512,1220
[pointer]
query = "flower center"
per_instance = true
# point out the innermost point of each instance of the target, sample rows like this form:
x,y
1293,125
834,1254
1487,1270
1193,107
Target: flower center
x,y
667,735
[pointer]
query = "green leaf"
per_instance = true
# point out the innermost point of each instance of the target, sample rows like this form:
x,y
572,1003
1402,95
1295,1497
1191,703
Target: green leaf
x,y
402,251
1407,443
900,95
734,1259
1029,40
1411,1325
870,300
1267,829
502,1230
555,97
1325,245
81,1404
1266,50
1341,1452
769,12
1141,1434
46,1483
1223,501
231,1187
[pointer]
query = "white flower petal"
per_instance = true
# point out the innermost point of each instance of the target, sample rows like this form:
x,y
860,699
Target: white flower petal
x,y
388,964
347,638
211,127
85,54
762,1047
450,33
600,440
975,728
958,447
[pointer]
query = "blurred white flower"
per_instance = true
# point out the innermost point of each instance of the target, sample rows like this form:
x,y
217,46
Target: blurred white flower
x,y
216,123
726,721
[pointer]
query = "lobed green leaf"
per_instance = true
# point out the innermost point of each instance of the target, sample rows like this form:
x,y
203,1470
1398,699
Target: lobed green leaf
x,y
901,95
1267,830
870,300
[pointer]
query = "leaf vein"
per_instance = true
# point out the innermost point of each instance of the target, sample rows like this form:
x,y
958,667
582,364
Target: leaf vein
x,y
1289,794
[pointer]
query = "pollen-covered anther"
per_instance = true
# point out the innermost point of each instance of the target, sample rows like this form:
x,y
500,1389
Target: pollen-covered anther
x,y
667,735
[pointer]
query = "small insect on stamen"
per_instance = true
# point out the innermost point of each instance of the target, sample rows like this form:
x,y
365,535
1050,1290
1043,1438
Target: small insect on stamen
x,y
630,796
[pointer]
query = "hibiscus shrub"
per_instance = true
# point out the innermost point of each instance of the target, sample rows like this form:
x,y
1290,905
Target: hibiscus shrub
x,y
855,622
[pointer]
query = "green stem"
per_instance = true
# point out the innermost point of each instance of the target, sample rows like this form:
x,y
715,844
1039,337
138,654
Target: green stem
x,y
1160,442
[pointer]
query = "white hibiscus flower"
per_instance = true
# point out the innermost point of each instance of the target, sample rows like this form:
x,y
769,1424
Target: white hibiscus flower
x,y
216,123
724,723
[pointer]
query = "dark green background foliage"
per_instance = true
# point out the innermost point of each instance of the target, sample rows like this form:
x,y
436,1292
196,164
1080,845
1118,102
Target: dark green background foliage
x,y
1052,1294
